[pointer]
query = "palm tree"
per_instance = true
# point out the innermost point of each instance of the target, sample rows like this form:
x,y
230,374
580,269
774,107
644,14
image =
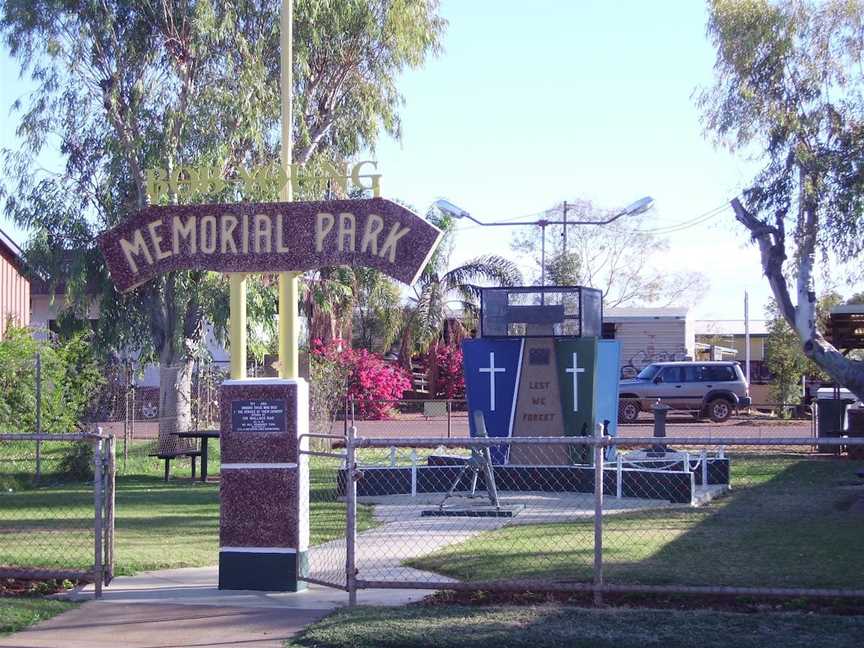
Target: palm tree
x,y
439,291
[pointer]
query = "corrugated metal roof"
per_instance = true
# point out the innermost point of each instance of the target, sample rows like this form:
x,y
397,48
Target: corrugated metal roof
x,y
848,309
730,327
7,242
617,314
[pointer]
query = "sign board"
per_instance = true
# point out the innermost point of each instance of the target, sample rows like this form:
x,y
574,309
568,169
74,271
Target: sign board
x,y
269,237
261,416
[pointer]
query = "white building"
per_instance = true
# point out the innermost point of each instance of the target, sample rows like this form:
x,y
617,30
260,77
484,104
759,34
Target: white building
x,y
650,335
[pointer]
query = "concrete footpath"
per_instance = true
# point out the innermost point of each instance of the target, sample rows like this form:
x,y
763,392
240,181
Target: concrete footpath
x,y
183,607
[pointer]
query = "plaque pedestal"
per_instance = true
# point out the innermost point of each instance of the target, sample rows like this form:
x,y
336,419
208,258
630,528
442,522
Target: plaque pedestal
x,y
264,487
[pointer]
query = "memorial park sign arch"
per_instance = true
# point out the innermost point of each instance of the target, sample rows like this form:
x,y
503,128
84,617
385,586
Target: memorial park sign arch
x,y
269,237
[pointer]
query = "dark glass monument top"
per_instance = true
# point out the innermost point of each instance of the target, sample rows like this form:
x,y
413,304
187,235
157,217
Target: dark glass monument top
x,y
532,311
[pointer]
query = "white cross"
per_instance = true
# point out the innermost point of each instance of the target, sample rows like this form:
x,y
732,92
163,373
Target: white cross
x,y
492,370
575,370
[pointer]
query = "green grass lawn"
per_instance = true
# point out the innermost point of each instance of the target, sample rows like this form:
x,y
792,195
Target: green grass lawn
x,y
17,613
788,522
158,525
556,626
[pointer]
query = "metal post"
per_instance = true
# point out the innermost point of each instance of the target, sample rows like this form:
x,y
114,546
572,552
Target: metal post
x,y
132,418
598,514
110,477
413,472
747,336
619,475
704,459
351,518
542,254
659,410
98,511
564,229
127,399
449,421
38,415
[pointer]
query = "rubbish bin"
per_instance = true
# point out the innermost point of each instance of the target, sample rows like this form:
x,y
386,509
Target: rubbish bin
x,y
855,430
831,419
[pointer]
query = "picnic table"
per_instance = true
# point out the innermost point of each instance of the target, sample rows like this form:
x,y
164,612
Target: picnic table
x,y
204,436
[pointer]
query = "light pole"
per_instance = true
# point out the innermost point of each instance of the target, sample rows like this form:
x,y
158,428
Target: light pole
x,y
638,207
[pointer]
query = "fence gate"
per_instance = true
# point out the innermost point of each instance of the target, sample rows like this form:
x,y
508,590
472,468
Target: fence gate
x,y
56,519
325,459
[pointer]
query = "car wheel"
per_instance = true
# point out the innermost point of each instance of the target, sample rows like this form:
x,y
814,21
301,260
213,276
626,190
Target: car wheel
x,y
628,411
719,410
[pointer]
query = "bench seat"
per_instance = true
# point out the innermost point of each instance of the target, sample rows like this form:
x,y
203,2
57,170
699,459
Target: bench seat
x,y
168,456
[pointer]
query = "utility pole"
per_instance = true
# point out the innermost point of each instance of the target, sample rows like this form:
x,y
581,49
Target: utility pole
x,y
747,335
564,230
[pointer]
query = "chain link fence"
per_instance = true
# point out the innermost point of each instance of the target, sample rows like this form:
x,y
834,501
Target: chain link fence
x,y
57,507
720,515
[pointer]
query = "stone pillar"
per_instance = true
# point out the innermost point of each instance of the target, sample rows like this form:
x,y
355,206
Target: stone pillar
x,y
264,488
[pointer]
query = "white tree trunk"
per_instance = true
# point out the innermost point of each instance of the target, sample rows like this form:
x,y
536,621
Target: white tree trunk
x,y
801,317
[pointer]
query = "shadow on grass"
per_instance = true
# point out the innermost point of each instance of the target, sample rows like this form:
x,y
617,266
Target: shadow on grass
x,y
779,527
554,626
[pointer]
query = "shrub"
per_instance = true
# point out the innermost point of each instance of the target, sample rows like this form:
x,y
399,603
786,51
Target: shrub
x,y
70,379
372,383
77,462
450,374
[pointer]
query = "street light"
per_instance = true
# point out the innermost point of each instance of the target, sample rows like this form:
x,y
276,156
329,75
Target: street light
x,y
638,207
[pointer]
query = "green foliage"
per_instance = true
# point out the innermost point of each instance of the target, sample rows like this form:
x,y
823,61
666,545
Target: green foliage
x,y
784,356
378,312
77,462
70,379
125,85
789,87
785,360
442,290
328,383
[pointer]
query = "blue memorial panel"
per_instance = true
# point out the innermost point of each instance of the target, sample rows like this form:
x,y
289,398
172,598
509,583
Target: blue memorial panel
x,y
608,359
491,379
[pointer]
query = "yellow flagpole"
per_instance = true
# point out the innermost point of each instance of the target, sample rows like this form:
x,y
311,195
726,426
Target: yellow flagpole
x,y
237,323
288,281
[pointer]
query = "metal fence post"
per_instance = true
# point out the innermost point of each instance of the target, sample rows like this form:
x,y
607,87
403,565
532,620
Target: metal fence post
x,y
351,517
110,476
449,418
38,416
598,514
98,511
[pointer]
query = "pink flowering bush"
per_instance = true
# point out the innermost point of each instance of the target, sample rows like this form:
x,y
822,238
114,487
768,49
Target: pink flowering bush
x,y
372,383
450,374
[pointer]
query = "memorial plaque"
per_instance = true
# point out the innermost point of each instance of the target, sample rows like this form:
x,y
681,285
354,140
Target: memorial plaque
x,y
260,416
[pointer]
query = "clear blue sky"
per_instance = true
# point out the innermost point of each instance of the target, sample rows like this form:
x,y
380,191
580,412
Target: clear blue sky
x,y
532,103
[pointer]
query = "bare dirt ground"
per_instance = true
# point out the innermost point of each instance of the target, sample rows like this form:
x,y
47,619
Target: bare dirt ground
x,y
417,426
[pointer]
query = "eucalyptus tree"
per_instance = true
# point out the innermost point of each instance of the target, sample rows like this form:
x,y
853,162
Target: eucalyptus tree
x,y
121,86
619,258
789,90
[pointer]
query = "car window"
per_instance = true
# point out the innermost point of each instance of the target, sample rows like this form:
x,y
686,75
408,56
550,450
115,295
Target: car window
x,y
648,372
672,374
692,373
718,373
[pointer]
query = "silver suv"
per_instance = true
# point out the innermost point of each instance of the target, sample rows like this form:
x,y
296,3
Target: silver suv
x,y
712,389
